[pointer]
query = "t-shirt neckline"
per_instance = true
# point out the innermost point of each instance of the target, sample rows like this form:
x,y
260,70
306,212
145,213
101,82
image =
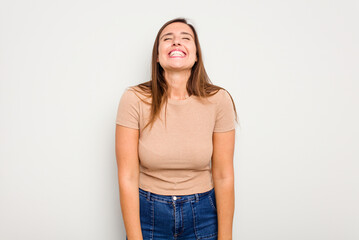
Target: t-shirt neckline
x,y
180,102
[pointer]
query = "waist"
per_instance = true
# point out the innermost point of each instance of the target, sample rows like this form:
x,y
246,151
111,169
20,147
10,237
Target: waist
x,y
171,198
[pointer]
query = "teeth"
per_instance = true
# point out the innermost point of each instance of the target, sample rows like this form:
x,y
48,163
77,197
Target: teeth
x,y
177,53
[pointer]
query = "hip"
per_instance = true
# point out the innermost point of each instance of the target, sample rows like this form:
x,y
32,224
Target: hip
x,y
178,217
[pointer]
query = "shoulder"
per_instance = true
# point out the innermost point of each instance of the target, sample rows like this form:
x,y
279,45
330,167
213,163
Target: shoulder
x,y
222,95
134,94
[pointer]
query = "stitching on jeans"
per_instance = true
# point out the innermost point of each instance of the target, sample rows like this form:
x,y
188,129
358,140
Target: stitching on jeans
x,y
193,203
211,201
159,199
209,236
194,220
153,218
164,201
182,227
174,216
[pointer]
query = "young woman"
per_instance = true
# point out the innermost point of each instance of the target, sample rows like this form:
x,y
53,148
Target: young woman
x,y
175,138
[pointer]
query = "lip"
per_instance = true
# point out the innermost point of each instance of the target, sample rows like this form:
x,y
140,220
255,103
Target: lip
x,y
177,49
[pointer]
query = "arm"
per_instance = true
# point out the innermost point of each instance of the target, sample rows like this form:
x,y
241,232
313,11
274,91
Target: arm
x,y
223,179
128,179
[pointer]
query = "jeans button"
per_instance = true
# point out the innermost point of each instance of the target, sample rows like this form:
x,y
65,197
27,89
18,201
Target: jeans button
x,y
174,198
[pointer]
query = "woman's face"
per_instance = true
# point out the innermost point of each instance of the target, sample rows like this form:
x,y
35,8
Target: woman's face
x,y
177,48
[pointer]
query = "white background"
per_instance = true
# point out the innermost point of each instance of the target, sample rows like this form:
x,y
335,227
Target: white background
x,y
291,67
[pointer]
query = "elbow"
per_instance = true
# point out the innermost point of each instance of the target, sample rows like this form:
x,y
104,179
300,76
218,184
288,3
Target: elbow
x,y
223,174
128,178
227,179
127,183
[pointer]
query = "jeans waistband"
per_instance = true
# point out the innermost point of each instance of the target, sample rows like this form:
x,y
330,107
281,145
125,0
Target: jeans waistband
x,y
173,198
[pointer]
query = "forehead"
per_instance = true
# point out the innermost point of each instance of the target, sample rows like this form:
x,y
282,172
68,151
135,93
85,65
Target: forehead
x,y
177,27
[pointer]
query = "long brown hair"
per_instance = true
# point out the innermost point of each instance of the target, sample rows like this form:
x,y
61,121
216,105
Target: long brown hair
x,y
198,83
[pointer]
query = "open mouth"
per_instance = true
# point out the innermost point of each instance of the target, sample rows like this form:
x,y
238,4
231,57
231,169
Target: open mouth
x,y
177,53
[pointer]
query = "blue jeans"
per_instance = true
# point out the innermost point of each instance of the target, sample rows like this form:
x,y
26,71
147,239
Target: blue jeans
x,y
180,217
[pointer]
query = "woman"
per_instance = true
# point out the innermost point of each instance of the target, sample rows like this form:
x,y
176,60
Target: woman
x,y
175,141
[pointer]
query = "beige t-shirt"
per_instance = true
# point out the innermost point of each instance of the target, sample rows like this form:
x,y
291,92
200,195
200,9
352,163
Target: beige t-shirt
x,y
177,160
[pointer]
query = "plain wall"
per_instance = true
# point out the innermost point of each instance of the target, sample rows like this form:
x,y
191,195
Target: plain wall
x,y
290,66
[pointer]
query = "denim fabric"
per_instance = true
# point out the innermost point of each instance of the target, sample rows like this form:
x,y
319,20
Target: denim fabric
x,y
180,217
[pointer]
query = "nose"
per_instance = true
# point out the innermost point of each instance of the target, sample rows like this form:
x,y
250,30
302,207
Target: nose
x,y
176,41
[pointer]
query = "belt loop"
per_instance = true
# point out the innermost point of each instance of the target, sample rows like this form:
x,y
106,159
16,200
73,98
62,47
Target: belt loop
x,y
148,195
197,197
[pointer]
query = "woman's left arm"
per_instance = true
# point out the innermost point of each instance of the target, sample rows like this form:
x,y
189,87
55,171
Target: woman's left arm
x,y
223,180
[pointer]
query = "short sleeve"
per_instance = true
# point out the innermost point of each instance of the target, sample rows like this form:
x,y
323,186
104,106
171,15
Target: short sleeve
x,y
128,113
225,115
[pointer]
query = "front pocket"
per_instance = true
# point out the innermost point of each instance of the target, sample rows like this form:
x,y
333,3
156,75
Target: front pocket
x,y
212,200
146,217
205,218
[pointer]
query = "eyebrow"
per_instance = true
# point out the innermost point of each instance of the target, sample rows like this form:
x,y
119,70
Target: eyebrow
x,y
172,34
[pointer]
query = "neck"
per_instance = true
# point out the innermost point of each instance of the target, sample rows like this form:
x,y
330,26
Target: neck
x,y
177,82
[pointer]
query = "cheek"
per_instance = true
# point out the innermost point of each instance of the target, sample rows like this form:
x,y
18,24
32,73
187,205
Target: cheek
x,y
194,51
161,51
193,48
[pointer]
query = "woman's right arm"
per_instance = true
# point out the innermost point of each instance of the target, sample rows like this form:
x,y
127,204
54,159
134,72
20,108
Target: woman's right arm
x,y
128,179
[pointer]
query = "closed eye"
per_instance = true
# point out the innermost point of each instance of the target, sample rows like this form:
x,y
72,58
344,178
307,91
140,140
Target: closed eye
x,y
170,38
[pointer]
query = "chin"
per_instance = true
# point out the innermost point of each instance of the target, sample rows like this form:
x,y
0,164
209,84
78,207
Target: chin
x,y
181,66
